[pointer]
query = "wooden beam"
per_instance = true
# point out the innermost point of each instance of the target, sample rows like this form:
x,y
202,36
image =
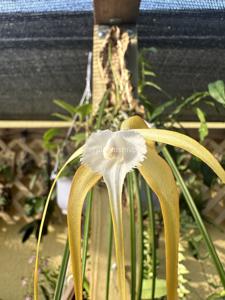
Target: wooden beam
x,y
33,124
196,125
29,124
115,12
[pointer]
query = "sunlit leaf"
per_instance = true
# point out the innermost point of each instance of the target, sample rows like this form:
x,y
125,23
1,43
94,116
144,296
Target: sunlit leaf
x,y
84,110
154,85
79,137
160,109
159,177
183,141
66,106
203,129
217,91
160,289
49,136
76,154
84,179
62,117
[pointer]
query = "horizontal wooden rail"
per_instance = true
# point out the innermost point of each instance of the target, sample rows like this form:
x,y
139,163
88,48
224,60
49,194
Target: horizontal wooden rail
x,y
196,125
8,124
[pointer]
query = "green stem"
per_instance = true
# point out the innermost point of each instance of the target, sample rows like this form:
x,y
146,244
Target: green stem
x,y
62,273
196,216
66,254
109,259
151,215
137,187
86,232
101,110
132,236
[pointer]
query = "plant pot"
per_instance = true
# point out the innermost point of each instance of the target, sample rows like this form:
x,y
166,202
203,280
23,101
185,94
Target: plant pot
x,y
62,193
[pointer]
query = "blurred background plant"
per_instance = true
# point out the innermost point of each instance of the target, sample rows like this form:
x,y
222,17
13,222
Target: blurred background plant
x,y
170,111
58,145
48,278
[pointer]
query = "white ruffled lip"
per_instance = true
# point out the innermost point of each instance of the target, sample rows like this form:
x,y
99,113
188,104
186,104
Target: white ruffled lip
x,y
106,149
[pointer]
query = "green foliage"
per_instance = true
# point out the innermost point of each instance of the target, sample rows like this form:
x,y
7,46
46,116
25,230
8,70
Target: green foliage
x,y
53,137
217,296
203,129
48,279
217,91
5,196
160,284
3,201
49,136
171,109
79,138
31,228
81,111
66,106
146,79
84,110
161,109
190,233
159,292
48,275
34,206
147,261
6,172
33,209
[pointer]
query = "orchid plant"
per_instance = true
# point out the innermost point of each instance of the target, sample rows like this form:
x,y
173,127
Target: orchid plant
x,y
111,155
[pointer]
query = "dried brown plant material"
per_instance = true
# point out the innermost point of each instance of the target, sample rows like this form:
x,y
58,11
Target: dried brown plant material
x,y
113,69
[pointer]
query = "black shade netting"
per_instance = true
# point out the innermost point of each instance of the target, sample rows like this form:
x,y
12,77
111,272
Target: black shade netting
x,y
44,46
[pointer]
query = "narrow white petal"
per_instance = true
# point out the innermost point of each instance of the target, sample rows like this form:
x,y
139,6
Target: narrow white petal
x,y
114,181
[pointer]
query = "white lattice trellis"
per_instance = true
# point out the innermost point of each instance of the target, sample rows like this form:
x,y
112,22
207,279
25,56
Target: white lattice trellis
x,y
12,153
215,207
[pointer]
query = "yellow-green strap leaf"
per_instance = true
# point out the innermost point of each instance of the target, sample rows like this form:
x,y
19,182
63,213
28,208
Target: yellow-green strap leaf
x,y
182,141
84,179
136,122
71,158
159,177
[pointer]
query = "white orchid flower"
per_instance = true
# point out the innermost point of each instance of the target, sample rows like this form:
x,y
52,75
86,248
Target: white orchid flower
x,y
112,155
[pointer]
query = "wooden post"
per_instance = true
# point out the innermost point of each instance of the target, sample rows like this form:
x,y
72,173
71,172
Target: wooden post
x,y
116,11
122,14
100,80
115,58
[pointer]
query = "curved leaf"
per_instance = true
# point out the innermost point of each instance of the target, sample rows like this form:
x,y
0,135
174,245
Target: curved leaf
x,y
159,177
84,179
217,91
71,158
182,141
136,122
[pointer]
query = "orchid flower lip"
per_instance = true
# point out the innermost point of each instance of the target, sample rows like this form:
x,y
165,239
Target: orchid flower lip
x,y
106,149
113,155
